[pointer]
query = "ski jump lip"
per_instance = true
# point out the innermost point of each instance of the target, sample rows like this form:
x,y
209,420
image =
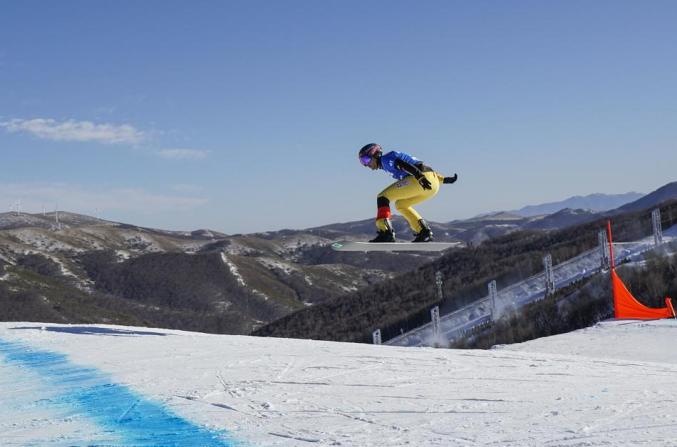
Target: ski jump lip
x,y
121,414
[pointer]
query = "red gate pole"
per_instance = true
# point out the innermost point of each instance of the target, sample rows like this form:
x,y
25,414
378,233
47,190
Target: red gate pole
x,y
611,245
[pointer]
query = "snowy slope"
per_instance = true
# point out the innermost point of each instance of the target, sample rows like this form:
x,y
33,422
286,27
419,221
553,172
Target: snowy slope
x,y
613,384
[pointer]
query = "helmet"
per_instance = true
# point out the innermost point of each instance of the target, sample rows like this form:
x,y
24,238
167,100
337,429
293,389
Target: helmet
x,y
368,152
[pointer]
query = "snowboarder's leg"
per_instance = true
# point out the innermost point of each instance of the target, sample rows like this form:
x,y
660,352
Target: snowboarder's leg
x,y
385,231
383,224
408,192
426,233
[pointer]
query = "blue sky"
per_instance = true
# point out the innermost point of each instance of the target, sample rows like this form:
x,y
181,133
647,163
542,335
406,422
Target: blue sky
x,y
246,116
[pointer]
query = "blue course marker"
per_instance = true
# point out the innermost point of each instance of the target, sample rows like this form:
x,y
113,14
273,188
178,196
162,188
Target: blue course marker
x,y
129,419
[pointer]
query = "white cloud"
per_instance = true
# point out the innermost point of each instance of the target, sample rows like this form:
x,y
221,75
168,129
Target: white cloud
x,y
84,200
71,130
183,154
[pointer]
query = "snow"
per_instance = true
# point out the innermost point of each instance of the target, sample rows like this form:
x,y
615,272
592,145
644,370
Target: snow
x,y
236,247
140,241
261,294
632,340
122,255
284,267
43,240
274,264
289,244
233,269
44,427
65,271
193,246
240,280
612,384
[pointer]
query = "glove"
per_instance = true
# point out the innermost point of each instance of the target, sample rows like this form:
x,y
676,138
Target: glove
x,y
450,179
424,182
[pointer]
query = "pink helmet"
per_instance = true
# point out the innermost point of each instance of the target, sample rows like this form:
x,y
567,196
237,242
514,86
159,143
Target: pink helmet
x,y
368,152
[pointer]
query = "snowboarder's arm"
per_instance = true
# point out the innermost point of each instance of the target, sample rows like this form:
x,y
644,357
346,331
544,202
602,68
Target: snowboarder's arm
x,y
451,179
446,180
408,168
415,171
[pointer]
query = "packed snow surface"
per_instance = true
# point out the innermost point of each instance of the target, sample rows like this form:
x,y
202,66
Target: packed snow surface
x,y
612,384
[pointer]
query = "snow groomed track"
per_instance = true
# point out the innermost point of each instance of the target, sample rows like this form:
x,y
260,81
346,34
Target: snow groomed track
x,y
613,384
74,396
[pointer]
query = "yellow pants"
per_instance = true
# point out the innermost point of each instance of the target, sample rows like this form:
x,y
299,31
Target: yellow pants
x,y
406,193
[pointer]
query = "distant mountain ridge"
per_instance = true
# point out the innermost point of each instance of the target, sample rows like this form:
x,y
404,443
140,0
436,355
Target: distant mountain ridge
x,y
593,202
662,194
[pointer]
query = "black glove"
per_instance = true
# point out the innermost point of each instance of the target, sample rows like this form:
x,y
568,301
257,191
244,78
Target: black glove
x,y
424,182
450,179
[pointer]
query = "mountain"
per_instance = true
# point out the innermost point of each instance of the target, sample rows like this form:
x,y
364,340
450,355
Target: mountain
x,y
561,219
84,269
662,194
404,302
592,202
611,384
72,268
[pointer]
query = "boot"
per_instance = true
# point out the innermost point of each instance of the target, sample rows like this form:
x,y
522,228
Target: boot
x,y
426,234
386,234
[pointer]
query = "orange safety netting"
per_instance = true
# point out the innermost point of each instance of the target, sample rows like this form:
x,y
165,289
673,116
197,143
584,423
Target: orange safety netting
x,y
625,305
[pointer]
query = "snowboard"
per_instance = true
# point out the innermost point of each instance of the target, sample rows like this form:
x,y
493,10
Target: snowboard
x,y
393,246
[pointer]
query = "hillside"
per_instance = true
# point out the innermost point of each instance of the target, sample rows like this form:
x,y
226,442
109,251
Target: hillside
x,y
70,268
87,270
611,384
562,219
666,192
404,302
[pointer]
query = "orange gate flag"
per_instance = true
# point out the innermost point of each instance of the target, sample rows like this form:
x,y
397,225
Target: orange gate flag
x,y
626,306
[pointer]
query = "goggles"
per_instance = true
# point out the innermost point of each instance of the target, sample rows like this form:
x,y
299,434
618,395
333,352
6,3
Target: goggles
x,y
365,160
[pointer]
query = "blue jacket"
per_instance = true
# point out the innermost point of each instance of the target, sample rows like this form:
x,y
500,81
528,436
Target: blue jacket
x,y
389,163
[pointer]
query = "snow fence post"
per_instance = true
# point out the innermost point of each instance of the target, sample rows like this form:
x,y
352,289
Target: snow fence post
x,y
376,335
439,283
604,249
435,317
549,275
493,296
657,227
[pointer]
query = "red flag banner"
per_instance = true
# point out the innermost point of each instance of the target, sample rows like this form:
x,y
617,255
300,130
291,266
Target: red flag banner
x,y
626,306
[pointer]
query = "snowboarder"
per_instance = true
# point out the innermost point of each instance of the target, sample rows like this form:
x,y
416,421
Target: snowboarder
x,y
415,183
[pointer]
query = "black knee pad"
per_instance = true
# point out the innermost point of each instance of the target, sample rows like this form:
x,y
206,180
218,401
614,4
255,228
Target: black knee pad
x,y
382,201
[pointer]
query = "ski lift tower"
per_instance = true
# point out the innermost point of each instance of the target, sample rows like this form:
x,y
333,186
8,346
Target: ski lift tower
x,y
439,283
657,227
549,275
493,296
604,249
376,337
435,311
435,318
